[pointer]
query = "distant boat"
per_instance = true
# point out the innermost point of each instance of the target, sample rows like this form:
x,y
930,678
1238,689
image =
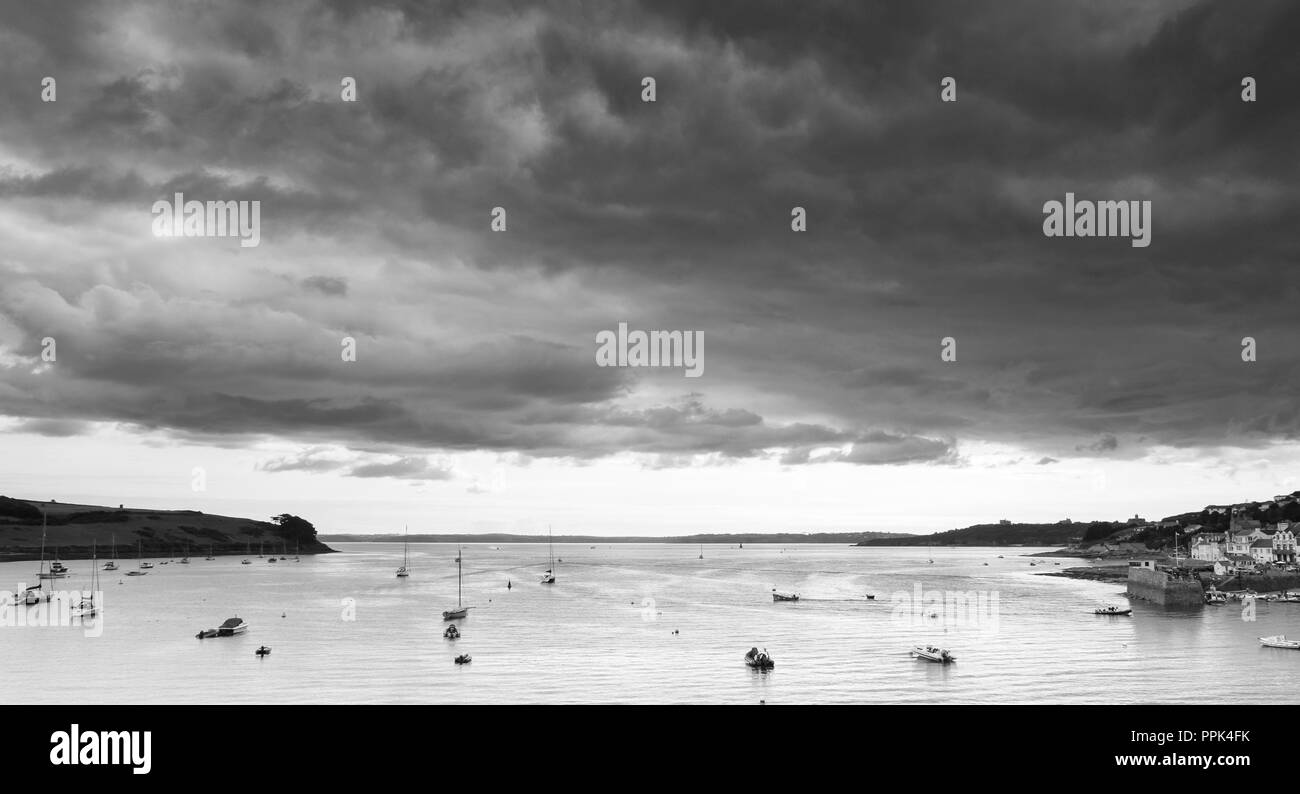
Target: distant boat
x,y
1214,597
31,596
549,577
403,572
209,557
933,654
1280,641
452,633
263,651
779,596
701,551
57,571
137,573
759,660
272,560
1111,609
139,553
261,548
464,658
461,610
231,627
111,565
295,552
186,559
871,596
86,607
248,548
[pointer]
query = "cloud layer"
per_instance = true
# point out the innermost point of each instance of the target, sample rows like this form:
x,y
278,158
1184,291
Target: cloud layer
x,y
923,223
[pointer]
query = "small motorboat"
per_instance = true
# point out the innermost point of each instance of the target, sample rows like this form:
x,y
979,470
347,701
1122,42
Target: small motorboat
x,y
933,654
452,633
759,660
1280,641
464,658
137,573
778,596
1215,598
871,596
246,562
207,634
263,651
1112,610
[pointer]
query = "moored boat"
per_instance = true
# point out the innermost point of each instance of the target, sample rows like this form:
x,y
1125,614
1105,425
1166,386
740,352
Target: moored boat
x,y
452,633
933,653
263,651
759,660
779,596
231,627
1280,641
1111,610
461,610
404,571
464,658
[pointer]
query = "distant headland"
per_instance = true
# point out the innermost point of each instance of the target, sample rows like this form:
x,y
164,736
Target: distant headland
x,y
73,530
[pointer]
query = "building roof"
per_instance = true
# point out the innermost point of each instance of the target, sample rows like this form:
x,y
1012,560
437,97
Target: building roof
x,y
1262,544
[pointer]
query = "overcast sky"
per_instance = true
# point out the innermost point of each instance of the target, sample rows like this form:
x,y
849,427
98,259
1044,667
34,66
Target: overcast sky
x,y
1093,379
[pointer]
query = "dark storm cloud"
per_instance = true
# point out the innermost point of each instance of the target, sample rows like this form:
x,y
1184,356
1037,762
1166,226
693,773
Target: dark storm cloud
x,y
326,285
924,222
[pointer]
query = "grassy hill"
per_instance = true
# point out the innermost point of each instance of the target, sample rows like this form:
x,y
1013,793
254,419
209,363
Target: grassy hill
x,y
72,529
1059,534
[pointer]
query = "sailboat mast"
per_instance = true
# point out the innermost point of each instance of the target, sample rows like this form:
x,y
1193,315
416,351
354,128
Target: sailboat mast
x,y
458,555
42,542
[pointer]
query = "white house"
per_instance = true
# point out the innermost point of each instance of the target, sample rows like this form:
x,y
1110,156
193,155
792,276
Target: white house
x,y
1209,546
1284,547
1261,551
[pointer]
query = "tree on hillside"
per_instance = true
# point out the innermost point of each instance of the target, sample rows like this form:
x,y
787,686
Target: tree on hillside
x,y
294,528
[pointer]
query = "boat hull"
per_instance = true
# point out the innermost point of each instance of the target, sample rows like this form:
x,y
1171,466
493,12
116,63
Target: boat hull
x,y
1280,641
455,614
937,655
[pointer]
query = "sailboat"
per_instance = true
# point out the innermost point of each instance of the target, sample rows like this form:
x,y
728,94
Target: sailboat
x,y
549,578
86,607
186,559
139,554
56,569
210,557
111,565
402,572
701,551
295,552
261,548
461,610
248,547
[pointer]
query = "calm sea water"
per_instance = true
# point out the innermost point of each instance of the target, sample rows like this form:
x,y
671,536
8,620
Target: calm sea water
x,y
604,633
